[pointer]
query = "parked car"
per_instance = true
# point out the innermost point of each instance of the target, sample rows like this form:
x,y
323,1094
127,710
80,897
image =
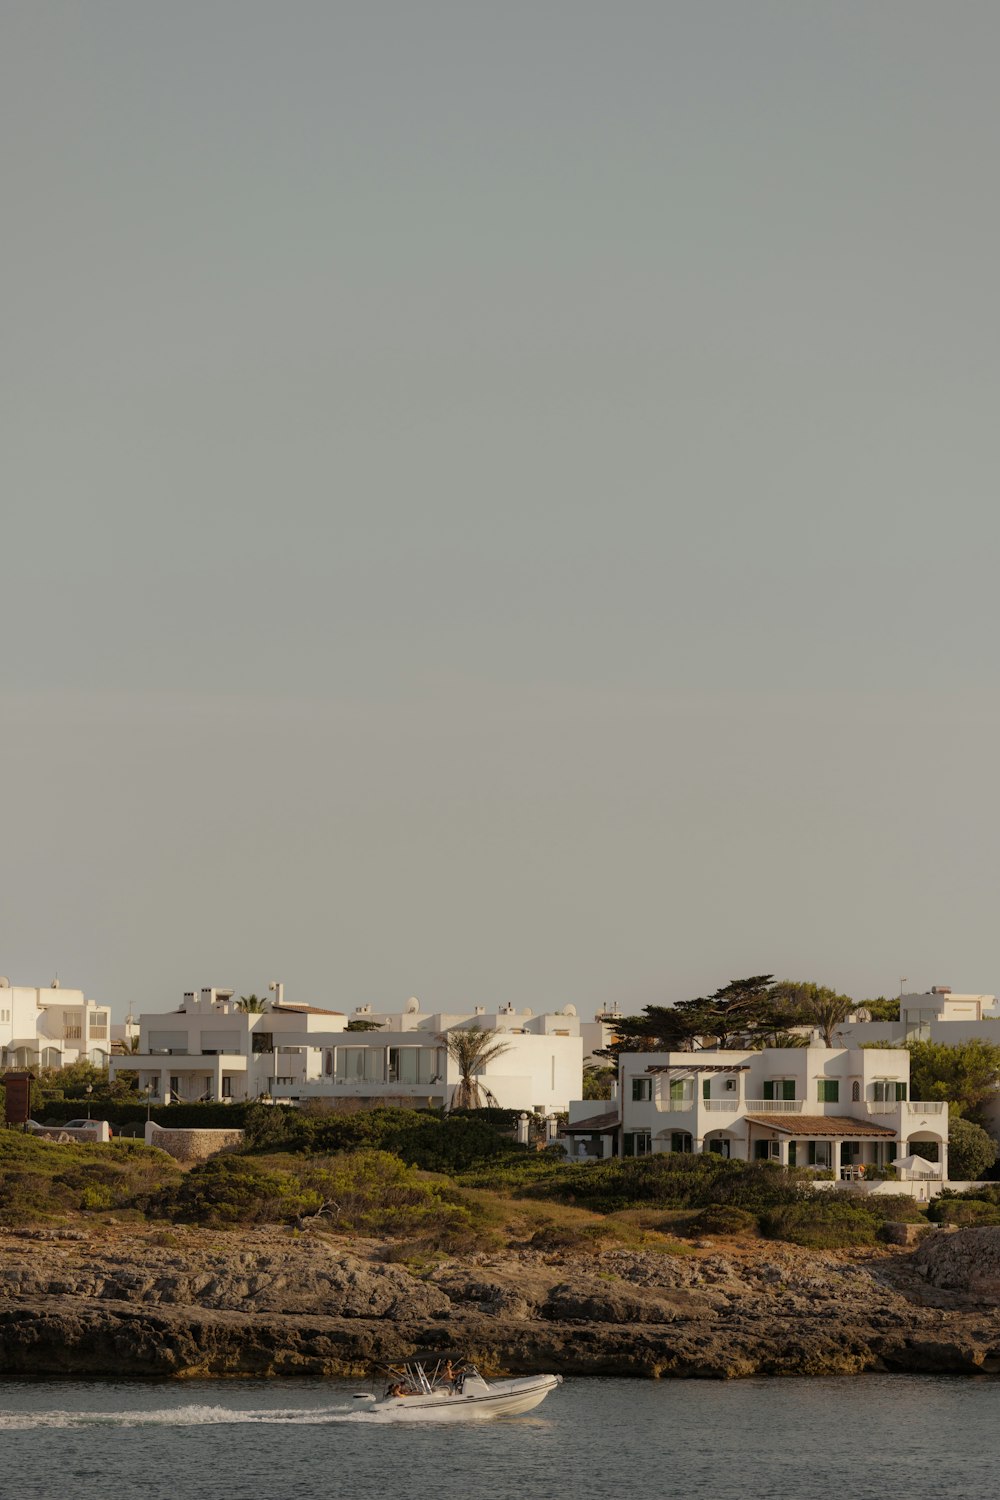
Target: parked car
x,y
83,1124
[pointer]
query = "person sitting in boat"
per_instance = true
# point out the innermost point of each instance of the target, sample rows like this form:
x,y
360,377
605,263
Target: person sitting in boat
x,y
448,1376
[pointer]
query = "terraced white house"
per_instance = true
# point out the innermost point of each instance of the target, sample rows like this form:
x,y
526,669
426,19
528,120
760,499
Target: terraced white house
x,y
835,1108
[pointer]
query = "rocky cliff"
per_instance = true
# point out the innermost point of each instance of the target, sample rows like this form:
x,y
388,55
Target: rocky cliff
x,y
188,1302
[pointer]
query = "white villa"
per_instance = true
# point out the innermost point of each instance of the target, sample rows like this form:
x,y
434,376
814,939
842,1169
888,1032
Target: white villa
x,y
50,1028
836,1108
210,1049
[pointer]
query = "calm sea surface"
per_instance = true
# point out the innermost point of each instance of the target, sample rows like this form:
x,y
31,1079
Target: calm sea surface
x,y
878,1436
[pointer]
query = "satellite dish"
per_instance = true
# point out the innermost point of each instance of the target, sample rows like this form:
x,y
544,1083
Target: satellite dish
x,y
412,1006
569,1010
54,985
861,1014
4,982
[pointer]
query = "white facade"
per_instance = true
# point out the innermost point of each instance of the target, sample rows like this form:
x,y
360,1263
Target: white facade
x,y
841,1109
52,1027
209,1049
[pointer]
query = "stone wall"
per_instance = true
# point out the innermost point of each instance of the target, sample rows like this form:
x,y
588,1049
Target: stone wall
x,y
192,1145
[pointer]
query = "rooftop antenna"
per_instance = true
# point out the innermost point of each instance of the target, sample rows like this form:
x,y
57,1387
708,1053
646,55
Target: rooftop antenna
x,y
901,983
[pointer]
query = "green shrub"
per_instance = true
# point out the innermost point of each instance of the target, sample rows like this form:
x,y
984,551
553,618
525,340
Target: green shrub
x,y
722,1218
963,1210
820,1225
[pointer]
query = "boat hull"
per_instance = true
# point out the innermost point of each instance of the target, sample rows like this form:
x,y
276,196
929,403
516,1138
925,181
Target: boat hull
x,y
502,1398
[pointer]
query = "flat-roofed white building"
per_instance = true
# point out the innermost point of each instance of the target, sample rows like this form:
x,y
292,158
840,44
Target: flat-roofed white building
x,y
211,1049
51,1027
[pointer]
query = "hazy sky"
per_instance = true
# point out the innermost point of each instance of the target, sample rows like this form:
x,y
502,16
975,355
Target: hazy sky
x,y
499,500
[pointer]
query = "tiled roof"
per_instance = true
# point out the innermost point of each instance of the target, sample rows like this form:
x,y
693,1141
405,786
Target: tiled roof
x,y
812,1125
595,1125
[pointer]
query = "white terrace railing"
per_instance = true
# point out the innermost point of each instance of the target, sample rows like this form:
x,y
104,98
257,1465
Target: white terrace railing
x,y
724,1106
774,1106
674,1106
915,1106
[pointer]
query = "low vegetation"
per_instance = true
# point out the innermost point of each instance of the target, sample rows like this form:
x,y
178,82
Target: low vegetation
x,y
432,1184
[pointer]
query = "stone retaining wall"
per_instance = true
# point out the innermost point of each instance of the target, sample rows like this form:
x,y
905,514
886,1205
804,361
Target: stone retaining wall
x,y
191,1145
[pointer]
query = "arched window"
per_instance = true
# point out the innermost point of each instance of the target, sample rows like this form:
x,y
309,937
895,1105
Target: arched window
x,y
855,1092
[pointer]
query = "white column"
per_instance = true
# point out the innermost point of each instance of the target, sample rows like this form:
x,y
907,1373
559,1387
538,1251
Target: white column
x,y
607,1144
783,1151
164,1086
522,1129
943,1159
835,1158
698,1143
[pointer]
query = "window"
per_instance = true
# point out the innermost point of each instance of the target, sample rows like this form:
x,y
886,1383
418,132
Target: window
x,y
855,1092
887,1089
636,1143
681,1090
680,1141
642,1088
819,1154
227,1087
719,1144
766,1151
706,1088
828,1091
779,1088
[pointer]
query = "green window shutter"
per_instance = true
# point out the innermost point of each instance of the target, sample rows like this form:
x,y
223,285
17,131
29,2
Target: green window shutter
x,y
676,1091
828,1091
812,1153
792,1153
788,1088
768,1089
706,1088
900,1091
891,1151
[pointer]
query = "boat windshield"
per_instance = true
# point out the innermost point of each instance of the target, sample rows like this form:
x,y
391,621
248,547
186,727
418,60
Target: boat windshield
x,y
415,1378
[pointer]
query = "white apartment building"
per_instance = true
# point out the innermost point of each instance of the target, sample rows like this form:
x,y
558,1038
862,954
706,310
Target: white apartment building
x,y
839,1109
50,1028
210,1049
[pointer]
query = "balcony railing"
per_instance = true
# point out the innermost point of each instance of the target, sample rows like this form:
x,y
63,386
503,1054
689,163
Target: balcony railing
x,y
724,1106
915,1106
774,1106
674,1106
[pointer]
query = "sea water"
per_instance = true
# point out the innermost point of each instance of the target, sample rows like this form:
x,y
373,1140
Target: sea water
x,y
915,1437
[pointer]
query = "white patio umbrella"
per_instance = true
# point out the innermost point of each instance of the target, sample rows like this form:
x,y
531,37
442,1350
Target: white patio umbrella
x,y
917,1166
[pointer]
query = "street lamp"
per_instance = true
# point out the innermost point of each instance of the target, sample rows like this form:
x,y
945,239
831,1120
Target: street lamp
x,y
89,1091
148,1091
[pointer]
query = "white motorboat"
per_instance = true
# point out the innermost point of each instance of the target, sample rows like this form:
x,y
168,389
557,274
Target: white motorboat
x,y
415,1390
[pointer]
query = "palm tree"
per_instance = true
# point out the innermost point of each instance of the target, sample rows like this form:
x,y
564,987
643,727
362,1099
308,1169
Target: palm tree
x,y
828,1011
251,1005
472,1050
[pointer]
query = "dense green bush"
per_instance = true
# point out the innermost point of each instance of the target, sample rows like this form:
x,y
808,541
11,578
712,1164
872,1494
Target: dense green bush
x,y
722,1218
670,1180
364,1192
963,1210
821,1224
44,1181
971,1151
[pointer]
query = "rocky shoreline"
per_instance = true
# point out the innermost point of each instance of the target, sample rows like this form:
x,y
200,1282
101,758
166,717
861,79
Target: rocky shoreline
x,y
189,1303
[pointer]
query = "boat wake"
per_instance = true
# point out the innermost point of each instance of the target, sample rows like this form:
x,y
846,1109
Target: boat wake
x,y
182,1416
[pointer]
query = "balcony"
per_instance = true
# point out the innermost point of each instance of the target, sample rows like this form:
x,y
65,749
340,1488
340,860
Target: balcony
x,y
674,1106
915,1106
774,1106
722,1106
